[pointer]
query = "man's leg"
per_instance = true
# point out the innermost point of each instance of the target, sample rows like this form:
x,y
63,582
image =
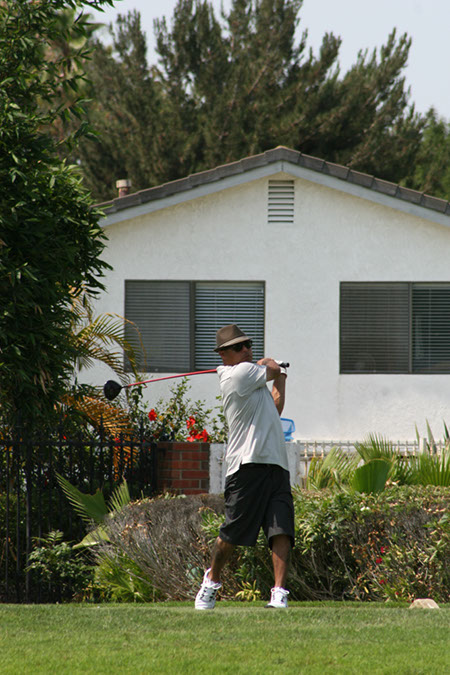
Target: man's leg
x,y
281,553
206,597
221,554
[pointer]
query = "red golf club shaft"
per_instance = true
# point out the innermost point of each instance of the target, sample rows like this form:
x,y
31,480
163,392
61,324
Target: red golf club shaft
x,y
170,377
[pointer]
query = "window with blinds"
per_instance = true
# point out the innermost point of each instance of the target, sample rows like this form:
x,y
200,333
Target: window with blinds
x,y
430,329
161,312
178,321
219,304
394,328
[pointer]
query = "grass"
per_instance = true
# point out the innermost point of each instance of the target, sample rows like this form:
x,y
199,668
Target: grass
x,y
234,638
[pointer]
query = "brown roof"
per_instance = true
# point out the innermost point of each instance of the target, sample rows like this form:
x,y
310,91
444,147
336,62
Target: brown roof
x,y
269,157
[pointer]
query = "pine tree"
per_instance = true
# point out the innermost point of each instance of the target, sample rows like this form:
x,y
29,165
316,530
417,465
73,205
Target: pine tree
x,y
225,89
432,168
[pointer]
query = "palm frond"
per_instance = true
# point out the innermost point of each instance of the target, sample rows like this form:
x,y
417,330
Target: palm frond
x,y
89,507
432,447
432,469
403,471
375,447
107,330
114,360
93,538
446,434
120,497
114,420
335,470
371,477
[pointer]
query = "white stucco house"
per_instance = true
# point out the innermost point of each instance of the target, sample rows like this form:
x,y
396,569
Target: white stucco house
x,y
344,275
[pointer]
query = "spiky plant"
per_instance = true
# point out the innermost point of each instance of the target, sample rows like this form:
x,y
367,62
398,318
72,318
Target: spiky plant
x,y
99,339
333,471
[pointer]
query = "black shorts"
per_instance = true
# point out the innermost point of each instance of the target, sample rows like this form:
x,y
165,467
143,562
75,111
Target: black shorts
x,y
257,495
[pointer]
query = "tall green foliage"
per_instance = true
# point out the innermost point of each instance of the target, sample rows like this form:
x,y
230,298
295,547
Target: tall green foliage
x,y
225,89
380,463
432,169
50,240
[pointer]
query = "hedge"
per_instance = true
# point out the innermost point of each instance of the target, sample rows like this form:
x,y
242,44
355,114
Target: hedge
x,y
349,546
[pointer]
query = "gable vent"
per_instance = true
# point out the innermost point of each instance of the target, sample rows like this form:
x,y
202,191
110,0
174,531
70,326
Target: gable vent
x,y
281,201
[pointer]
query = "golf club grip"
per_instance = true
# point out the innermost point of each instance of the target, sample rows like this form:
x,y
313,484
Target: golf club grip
x,y
283,364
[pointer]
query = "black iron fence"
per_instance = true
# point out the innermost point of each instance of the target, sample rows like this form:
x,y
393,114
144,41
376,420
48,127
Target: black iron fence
x,y
32,503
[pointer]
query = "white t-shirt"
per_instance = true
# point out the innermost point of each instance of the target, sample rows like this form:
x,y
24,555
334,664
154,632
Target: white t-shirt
x,y
255,433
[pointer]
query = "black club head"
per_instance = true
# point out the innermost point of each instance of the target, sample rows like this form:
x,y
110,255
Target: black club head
x,y
112,389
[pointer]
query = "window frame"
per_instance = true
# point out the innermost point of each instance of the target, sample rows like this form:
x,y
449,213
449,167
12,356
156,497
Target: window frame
x,y
412,307
192,286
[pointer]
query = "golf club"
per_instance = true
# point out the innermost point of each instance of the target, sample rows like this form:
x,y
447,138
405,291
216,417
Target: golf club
x,y
112,388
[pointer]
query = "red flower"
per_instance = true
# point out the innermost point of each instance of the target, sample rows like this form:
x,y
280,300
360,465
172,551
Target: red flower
x,y
382,549
190,422
152,415
378,560
382,581
202,436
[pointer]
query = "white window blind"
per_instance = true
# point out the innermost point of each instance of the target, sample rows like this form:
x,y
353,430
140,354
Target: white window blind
x,y
161,311
219,304
431,328
374,328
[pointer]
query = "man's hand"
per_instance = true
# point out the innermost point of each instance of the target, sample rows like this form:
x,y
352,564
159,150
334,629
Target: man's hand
x,y
273,370
283,368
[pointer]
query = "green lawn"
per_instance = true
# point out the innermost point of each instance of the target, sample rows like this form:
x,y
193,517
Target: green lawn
x,y
234,638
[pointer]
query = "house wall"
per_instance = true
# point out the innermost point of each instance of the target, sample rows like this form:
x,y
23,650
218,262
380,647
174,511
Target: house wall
x,y
335,237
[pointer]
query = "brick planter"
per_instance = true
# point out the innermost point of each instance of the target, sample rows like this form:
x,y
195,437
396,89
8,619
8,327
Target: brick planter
x,y
183,468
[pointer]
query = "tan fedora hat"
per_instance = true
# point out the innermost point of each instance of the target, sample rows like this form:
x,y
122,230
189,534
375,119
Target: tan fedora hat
x,y
229,335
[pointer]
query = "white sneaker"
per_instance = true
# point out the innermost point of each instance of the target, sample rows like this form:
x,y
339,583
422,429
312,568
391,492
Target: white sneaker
x,y
206,597
278,598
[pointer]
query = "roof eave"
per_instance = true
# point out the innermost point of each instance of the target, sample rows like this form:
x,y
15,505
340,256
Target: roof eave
x,y
279,159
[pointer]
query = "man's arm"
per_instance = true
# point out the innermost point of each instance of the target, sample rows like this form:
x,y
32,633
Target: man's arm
x,y
274,373
278,392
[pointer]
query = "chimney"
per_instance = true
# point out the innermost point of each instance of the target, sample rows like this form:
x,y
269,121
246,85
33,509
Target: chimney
x,y
123,186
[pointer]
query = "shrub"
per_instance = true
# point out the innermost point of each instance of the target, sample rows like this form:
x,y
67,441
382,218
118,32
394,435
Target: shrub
x,y
391,545
8,540
165,541
119,579
62,572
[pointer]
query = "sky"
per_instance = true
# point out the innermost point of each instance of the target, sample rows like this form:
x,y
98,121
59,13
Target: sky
x,y
361,25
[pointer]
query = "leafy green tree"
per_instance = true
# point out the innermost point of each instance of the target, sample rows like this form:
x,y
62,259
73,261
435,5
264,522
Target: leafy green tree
x,y
50,239
432,168
224,89
127,114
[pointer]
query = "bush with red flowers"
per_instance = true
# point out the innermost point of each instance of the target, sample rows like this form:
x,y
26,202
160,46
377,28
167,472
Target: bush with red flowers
x,y
178,418
394,545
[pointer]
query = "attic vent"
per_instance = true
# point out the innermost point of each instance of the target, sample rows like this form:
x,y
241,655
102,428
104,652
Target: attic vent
x,y
281,201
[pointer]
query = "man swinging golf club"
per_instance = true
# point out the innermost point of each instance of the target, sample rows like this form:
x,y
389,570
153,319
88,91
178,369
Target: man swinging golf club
x,y
257,485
